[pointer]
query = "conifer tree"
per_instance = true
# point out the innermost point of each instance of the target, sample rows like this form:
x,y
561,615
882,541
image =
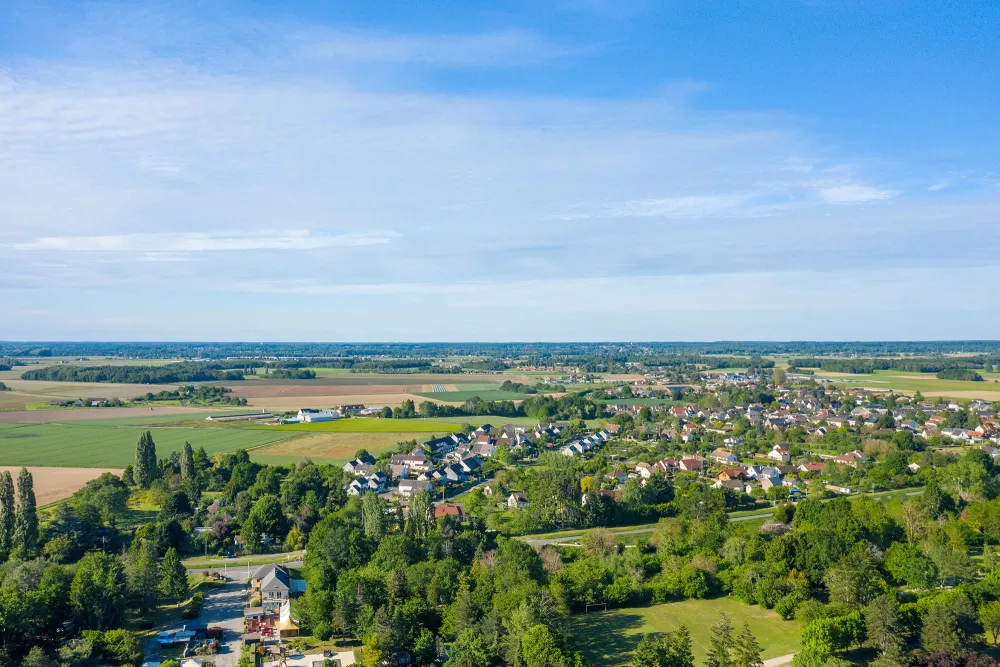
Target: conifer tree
x,y
142,576
26,517
173,576
746,650
719,654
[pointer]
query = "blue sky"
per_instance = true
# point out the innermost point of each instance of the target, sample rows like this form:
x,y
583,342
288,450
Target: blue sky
x,y
589,170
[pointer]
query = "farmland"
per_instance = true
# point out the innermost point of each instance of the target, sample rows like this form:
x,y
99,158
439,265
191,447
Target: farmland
x,y
607,638
926,383
52,484
111,443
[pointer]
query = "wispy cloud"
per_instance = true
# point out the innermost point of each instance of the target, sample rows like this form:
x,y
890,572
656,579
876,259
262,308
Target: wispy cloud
x,y
162,246
854,193
502,48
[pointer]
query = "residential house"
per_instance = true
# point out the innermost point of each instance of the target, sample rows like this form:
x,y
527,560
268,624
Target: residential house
x,y
724,456
811,466
517,500
449,510
360,466
780,454
691,465
411,487
728,474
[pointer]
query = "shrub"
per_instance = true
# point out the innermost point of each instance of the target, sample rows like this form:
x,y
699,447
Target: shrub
x,y
787,605
322,631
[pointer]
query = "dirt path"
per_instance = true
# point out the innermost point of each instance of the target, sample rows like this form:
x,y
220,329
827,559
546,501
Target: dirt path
x,y
780,661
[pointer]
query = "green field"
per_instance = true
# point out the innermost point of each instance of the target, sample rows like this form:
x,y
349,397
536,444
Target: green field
x,y
608,638
365,425
926,383
485,394
99,444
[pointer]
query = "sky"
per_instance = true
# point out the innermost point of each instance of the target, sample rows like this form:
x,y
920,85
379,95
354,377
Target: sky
x,y
545,170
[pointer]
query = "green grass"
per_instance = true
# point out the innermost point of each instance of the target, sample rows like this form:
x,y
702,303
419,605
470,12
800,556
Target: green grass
x,y
608,638
365,425
94,444
926,383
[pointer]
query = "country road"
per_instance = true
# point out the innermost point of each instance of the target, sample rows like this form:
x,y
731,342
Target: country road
x,y
634,531
239,571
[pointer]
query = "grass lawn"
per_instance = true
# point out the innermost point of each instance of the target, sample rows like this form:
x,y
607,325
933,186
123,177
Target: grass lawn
x,y
336,448
98,444
608,638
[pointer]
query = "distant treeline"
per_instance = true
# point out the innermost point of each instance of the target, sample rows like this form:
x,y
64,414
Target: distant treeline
x,y
8,364
542,408
168,374
538,351
907,364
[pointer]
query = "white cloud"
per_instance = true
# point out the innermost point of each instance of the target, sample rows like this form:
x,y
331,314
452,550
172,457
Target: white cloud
x,y
853,193
162,246
501,48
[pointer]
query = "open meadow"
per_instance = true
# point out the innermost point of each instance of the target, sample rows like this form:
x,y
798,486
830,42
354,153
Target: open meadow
x,y
52,484
336,448
608,638
926,383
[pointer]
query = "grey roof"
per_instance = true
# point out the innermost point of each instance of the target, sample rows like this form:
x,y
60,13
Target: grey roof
x,y
277,576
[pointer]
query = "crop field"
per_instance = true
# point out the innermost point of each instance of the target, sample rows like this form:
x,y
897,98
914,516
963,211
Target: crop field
x,y
52,484
332,447
925,383
112,443
133,415
608,638
463,395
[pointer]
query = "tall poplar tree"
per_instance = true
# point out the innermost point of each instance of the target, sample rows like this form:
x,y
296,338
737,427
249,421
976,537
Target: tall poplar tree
x,y
373,516
187,462
26,517
6,515
144,471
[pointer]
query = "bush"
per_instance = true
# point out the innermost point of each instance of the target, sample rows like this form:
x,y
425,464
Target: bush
x,y
787,605
322,631
193,608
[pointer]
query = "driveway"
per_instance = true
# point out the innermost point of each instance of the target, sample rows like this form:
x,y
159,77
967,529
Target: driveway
x,y
223,607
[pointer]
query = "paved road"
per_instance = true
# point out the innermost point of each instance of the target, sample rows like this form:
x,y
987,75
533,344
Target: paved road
x,y
224,608
239,572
